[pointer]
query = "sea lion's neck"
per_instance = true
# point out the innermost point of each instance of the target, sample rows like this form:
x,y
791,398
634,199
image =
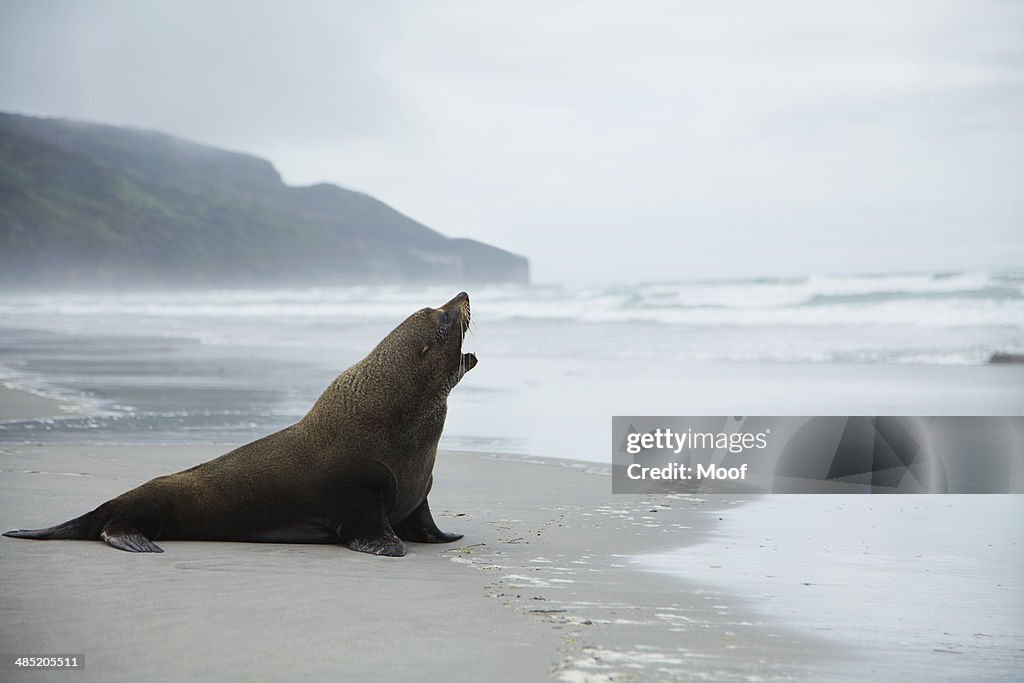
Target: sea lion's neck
x,y
375,391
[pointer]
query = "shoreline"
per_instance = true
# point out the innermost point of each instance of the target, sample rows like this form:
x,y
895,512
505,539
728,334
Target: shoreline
x,y
921,587
542,584
138,387
529,421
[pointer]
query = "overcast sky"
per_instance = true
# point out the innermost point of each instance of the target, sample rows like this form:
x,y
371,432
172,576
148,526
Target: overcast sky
x,y
604,140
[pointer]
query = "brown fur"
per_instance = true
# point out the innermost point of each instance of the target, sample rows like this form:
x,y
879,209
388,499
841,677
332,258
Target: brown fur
x,y
354,470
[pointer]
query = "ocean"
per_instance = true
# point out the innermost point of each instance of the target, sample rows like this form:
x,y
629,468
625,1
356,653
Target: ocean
x,y
556,361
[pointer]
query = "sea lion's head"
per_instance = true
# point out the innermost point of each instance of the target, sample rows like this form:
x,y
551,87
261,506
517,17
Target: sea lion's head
x,y
435,336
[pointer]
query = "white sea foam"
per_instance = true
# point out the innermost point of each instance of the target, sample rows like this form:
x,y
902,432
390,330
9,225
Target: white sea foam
x,y
955,318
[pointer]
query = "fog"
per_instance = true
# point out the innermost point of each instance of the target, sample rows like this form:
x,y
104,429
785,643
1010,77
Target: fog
x,y
603,140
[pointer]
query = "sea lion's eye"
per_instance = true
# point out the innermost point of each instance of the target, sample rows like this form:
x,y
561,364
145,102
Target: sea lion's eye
x,y
446,318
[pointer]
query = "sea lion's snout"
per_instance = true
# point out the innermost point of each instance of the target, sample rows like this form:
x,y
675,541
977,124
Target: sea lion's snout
x,y
457,301
459,306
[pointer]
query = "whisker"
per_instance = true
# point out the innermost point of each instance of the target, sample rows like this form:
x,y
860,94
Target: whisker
x,y
462,357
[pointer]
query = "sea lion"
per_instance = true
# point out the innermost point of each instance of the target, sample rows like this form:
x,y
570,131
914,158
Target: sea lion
x,y
355,470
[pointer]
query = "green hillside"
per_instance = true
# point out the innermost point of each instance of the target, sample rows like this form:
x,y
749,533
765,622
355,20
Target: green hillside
x,y
91,205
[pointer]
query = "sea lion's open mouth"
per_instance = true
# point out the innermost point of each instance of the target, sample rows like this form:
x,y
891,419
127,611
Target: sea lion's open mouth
x,y
469,361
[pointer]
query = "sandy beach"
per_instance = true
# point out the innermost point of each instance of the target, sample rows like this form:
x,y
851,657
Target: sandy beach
x,y
546,584
540,585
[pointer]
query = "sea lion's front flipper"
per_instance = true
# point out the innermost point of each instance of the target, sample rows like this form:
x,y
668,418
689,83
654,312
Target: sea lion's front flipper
x,y
364,527
419,527
124,536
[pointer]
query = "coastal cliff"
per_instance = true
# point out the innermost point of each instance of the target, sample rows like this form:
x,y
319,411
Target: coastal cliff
x,y
90,205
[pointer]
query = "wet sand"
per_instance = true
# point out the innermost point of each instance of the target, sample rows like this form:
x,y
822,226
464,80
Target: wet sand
x,y
923,587
16,404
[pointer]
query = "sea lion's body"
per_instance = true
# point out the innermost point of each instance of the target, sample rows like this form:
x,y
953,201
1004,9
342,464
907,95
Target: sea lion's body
x,y
355,470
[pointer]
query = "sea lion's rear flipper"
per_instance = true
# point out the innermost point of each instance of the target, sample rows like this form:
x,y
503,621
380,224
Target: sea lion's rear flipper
x,y
77,528
364,527
123,536
419,527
